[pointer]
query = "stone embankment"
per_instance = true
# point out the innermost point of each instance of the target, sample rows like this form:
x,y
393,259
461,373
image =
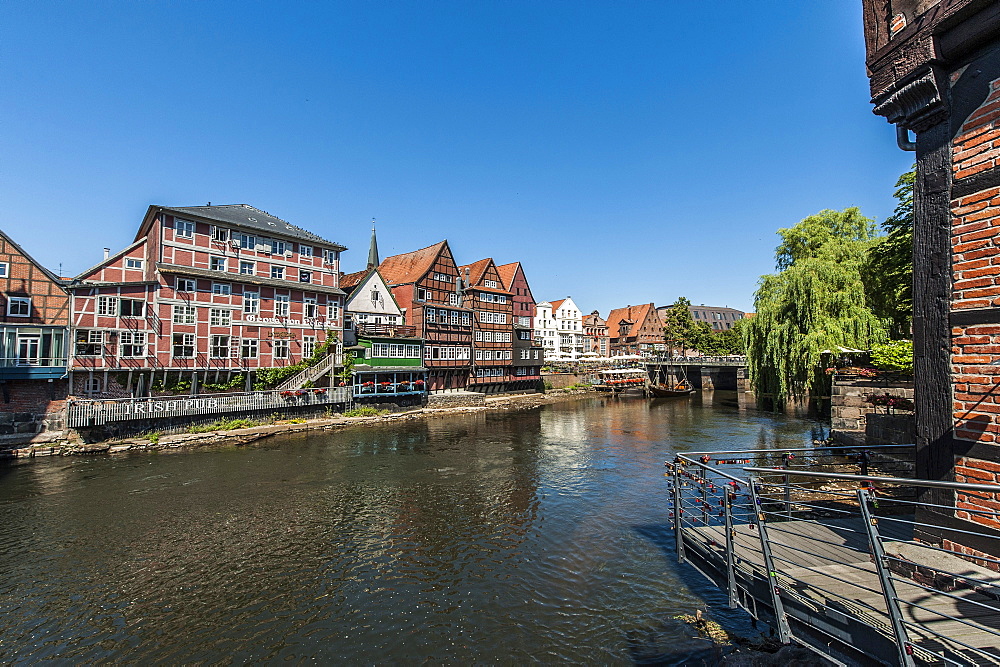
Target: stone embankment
x,y
243,436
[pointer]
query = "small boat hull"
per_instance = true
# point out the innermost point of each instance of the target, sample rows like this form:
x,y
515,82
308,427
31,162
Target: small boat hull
x,y
662,391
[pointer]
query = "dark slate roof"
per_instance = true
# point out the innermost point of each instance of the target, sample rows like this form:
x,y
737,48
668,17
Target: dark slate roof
x,y
244,215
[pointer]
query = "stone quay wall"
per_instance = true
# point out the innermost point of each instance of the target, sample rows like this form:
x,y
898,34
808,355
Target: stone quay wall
x,y
850,412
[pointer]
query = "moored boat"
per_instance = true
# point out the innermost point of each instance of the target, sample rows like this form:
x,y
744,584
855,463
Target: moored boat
x,y
620,380
682,388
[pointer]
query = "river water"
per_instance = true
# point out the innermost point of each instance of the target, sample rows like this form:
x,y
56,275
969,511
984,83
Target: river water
x,y
535,536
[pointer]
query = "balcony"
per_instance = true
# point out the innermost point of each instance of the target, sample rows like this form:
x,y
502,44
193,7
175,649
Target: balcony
x,y
386,331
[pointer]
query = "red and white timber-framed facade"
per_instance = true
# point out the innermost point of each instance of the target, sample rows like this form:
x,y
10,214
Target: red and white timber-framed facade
x,y
203,293
528,355
426,284
493,334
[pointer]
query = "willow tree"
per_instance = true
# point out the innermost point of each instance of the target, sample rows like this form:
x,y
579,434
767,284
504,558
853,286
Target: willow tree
x,y
815,303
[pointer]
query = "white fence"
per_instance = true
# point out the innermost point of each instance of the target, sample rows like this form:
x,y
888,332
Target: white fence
x,y
96,412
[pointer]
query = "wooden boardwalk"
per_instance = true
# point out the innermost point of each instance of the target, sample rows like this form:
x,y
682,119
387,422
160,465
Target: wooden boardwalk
x,y
824,568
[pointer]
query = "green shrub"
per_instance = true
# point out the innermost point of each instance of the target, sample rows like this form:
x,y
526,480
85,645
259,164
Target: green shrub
x,y
154,438
223,425
366,411
896,355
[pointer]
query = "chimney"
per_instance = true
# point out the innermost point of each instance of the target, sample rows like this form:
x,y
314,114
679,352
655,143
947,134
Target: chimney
x,y
107,253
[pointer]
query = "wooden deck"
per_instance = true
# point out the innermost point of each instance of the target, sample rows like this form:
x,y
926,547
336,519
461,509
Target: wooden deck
x,y
824,569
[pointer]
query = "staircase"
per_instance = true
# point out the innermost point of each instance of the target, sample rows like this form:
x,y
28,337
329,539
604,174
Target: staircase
x,y
325,365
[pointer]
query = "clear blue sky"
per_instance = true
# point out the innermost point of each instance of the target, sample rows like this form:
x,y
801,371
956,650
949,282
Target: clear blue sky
x,y
625,152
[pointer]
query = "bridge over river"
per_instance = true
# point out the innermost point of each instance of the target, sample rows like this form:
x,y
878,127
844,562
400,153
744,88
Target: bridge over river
x,y
705,373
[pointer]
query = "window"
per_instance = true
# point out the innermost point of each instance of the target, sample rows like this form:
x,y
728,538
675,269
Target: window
x,y
220,347
278,247
248,350
280,349
466,320
490,283
329,256
453,299
308,346
332,310
224,289
107,305
247,241
305,276
278,272
183,345
131,263
309,308
217,263
247,268
184,315
454,317
92,385
89,343
220,317
4,269
444,277
479,336
132,308
424,294
183,229
281,302
305,251
220,234
132,343
19,306
251,302
187,285
443,316
525,354
430,314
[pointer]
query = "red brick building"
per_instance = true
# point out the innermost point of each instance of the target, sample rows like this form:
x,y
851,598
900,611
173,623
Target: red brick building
x,y
486,295
635,330
528,354
935,73
34,321
426,284
595,335
203,293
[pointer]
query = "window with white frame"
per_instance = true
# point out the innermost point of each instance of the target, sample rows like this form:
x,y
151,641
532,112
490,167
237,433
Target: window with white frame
x,y
89,342
281,305
132,263
183,345
217,263
332,310
223,289
187,285
220,317
309,307
220,234
424,294
107,305
443,317
305,251
247,241
455,317
247,268
278,247
278,272
132,308
466,319
92,385
4,269
183,229
430,314
490,283
220,347
132,344
525,354
279,349
249,348
251,302
452,299
19,306
329,256
184,314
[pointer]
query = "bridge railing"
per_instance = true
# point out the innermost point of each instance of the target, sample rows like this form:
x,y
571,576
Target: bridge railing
x,y
732,360
840,548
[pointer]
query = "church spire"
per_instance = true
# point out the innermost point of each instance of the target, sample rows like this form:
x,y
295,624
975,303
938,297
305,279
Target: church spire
x,y
373,249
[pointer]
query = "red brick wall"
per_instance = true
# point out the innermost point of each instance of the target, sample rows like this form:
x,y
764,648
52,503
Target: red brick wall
x,y
32,396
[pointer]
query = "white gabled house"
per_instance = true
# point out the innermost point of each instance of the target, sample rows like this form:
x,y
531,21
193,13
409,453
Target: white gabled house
x,y
559,326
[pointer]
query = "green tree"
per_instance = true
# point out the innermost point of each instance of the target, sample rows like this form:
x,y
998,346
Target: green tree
x,y
815,303
889,271
724,342
679,328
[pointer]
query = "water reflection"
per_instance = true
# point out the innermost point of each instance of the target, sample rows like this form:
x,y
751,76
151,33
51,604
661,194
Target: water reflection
x,y
531,536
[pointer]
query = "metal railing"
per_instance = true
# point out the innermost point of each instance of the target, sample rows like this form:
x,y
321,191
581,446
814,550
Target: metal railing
x,y
732,360
841,549
387,330
324,365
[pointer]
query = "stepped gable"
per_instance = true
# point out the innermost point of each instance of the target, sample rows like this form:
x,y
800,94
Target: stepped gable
x,y
244,215
411,266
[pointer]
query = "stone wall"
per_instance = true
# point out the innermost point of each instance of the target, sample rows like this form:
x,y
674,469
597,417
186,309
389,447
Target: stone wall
x,y
457,399
849,410
561,380
32,411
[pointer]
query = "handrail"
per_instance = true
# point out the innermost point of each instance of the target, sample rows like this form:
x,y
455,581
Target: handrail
x,y
908,481
799,449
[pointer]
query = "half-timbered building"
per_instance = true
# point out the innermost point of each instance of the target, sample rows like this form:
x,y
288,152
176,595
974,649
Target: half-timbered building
x,y
34,321
427,286
528,354
203,293
486,295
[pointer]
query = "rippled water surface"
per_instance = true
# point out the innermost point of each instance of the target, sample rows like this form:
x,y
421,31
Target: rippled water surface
x,y
529,536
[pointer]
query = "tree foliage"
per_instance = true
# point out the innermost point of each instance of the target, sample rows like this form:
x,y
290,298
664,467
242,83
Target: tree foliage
x,y
815,303
896,355
890,263
679,329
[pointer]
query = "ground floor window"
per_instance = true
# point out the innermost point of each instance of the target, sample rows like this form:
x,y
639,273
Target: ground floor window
x,y
183,346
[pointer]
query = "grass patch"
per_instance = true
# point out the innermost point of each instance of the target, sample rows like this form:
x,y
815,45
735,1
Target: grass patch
x,y
154,438
366,411
223,425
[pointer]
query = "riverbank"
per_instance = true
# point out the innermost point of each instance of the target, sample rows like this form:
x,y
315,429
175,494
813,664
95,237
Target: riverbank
x,y
243,436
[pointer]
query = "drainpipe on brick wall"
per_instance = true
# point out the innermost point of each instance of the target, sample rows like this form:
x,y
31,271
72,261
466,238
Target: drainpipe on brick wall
x,y
903,139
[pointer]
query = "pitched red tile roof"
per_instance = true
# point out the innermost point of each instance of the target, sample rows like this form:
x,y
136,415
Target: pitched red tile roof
x,y
352,279
411,266
507,273
634,315
476,270
556,304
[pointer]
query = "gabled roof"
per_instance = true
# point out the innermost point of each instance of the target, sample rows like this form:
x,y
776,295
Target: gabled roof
x,y
241,215
111,259
635,316
53,277
352,280
359,278
411,266
507,273
476,270
556,304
